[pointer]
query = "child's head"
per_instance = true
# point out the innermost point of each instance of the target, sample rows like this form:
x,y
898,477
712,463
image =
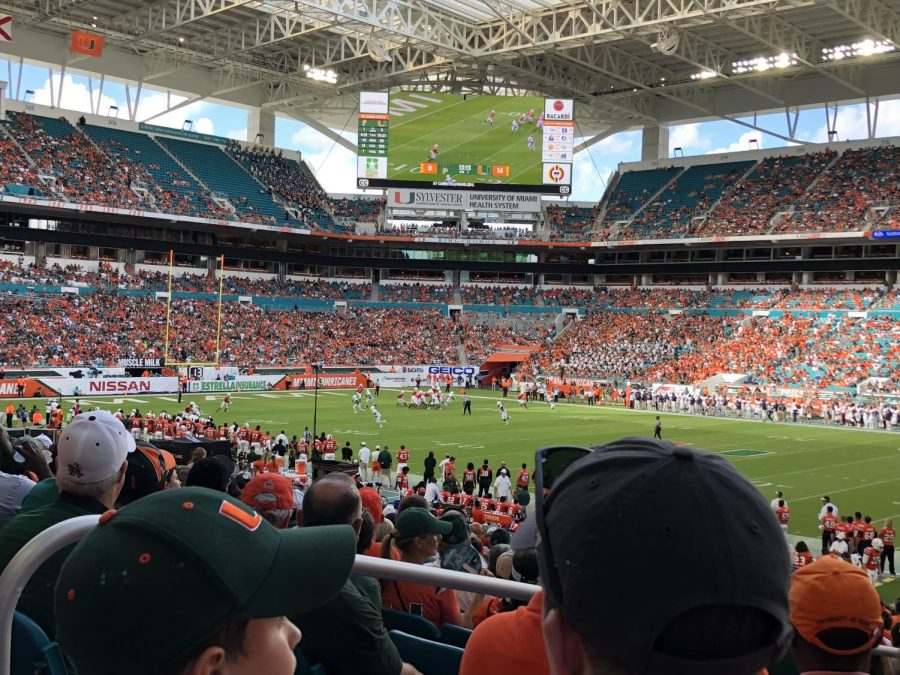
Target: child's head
x,y
201,572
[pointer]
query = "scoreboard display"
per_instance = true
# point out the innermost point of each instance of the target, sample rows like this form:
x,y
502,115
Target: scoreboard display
x,y
505,143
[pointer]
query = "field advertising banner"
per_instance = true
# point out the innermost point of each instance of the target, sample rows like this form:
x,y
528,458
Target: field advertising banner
x,y
240,383
112,386
327,381
465,142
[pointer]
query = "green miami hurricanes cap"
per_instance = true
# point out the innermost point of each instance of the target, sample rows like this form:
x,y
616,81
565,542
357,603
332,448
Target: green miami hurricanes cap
x,y
158,577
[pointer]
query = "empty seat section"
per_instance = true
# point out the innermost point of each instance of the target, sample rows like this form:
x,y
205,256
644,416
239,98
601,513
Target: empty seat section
x,y
211,165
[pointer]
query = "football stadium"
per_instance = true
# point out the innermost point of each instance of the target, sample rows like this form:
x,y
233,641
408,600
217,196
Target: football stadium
x,y
405,337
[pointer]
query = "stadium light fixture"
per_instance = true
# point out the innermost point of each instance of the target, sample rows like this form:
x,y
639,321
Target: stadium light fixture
x,y
761,64
704,75
320,74
867,47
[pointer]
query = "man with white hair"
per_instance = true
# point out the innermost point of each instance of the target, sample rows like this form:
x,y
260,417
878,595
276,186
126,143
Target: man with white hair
x,y
91,461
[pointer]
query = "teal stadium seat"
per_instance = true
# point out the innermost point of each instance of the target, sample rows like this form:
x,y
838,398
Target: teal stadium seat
x,y
409,623
32,651
455,636
431,658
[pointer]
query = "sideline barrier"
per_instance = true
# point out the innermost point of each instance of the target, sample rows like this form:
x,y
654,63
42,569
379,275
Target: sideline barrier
x,y
48,542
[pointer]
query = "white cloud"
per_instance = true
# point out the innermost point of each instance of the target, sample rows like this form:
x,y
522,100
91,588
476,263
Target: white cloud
x,y
742,143
688,138
204,125
237,134
852,123
75,95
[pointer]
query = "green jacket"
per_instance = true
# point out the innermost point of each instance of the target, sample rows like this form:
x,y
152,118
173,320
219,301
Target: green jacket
x,y
385,459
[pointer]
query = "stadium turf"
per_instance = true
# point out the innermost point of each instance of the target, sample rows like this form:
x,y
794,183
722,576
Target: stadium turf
x,y
859,470
458,126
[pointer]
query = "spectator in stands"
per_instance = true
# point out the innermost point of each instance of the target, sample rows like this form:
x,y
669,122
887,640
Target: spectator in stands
x,y
166,552
209,472
271,495
712,612
836,615
17,478
515,625
346,634
145,475
91,461
416,536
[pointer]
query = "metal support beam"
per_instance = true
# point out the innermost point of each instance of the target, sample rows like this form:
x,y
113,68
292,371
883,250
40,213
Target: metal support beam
x,y
173,108
325,131
603,135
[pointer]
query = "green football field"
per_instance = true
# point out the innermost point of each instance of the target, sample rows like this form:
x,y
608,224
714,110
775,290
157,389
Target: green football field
x,y
859,470
458,126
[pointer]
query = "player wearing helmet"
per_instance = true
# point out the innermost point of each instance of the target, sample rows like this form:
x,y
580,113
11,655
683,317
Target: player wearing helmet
x,y
871,559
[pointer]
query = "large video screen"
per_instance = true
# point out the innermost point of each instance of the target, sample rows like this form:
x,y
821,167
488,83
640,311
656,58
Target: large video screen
x,y
467,142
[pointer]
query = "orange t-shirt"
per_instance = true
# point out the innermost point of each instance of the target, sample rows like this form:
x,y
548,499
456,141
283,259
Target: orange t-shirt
x,y
438,605
523,643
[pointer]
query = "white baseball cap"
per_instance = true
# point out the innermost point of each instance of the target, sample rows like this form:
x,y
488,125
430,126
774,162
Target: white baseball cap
x,y
92,447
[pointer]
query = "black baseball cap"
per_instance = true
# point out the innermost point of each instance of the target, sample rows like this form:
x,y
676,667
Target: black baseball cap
x,y
723,550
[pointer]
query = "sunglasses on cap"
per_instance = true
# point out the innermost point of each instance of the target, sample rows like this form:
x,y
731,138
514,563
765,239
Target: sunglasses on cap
x,y
549,465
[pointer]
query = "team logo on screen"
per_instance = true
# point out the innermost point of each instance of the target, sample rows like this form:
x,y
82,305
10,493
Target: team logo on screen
x,y
556,173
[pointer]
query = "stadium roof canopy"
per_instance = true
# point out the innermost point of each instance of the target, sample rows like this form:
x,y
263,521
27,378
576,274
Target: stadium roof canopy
x,y
628,63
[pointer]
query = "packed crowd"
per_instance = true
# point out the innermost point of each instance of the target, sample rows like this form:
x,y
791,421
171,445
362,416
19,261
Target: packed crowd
x,y
83,172
76,331
498,295
14,167
840,198
824,614
415,292
773,186
362,210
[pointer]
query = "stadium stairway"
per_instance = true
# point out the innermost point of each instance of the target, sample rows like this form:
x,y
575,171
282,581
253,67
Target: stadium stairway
x,y
213,167
656,195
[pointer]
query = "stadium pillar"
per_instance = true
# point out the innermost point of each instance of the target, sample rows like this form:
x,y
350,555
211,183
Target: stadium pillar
x,y
261,122
654,143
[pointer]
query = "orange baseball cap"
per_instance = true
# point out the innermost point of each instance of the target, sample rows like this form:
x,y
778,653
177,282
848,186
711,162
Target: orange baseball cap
x,y
267,491
830,594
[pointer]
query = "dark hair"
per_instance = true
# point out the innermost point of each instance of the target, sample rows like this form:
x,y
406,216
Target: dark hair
x,y
229,636
209,473
868,519
366,532
331,500
801,547
411,501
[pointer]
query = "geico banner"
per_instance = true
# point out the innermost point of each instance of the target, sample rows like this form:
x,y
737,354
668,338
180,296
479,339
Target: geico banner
x,y
326,381
457,200
240,383
112,386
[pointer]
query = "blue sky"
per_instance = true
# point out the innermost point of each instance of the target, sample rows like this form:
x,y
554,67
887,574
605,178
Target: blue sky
x,y
335,166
